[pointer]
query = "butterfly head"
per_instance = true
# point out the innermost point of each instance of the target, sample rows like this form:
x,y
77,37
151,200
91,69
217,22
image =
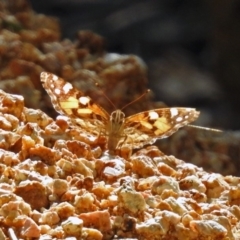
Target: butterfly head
x,y
117,117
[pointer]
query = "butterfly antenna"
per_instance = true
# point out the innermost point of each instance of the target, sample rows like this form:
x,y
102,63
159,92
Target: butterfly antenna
x,y
204,128
103,93
137,99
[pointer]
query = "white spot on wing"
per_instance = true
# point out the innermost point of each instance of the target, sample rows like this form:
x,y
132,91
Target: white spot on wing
x,y
179,119
84,100
153,115
54,77
174,112
57,91
67,87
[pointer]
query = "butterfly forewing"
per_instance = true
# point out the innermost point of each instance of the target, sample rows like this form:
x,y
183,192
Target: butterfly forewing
x,y
146,127
70,101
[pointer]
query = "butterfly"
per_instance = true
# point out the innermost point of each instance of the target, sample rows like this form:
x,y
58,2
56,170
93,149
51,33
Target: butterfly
x,y
134,131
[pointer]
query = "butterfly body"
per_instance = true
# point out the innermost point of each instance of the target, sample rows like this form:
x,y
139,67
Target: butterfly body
x,y
115,130
134,131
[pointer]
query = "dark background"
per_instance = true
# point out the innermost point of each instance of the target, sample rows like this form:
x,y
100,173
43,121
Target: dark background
x,y
192,48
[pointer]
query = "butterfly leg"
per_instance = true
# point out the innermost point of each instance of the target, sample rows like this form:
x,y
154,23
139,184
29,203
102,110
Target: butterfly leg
x,y
123,150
